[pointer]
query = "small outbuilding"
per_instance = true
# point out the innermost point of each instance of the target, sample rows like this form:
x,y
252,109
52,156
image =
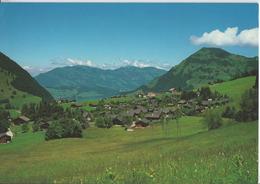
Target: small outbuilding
x,y
134,112
181,102
166,110
117,120
93,105
205,103
173,90
141,123
129,130
188,106
44,125
6,137
21,120
75,105
151,94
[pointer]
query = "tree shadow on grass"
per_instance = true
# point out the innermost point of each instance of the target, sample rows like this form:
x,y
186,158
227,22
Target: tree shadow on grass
x,y
155,142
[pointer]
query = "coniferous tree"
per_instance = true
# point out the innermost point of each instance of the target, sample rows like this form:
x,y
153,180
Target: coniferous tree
x,y
249,106
4,123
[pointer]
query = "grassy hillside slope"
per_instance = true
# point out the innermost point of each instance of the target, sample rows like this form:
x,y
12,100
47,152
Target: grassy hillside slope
x,y
235,88
21,79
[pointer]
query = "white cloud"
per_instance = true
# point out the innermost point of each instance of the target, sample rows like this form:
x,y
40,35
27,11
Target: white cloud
x,y
249,37
135,63
58,62
36,70
27,67
230,37
62,62
143,64
73,62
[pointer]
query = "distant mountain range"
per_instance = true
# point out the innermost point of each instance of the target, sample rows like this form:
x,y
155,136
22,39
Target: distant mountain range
x,y
84,83
19,79
208,65
204,66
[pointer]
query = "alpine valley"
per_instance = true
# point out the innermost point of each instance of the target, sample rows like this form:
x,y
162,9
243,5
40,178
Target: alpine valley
x,y
85,83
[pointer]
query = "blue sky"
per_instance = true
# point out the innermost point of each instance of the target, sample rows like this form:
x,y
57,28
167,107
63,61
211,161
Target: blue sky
x,y
42,36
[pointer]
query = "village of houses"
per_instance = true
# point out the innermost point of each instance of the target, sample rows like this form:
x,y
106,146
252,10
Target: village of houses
x,y
140,111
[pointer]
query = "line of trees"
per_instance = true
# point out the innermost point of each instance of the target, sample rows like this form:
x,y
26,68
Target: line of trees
x,y
62,122
248,107
248,110
204,94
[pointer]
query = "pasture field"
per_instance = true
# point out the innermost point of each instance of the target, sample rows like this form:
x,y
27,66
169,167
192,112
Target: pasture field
x,y
225,155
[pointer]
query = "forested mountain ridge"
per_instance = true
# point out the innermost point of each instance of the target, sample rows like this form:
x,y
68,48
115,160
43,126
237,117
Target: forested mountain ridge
x,y
208,65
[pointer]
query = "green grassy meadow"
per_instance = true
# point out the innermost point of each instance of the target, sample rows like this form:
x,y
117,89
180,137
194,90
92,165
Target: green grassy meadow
x,y
234,88
146,156
226,155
